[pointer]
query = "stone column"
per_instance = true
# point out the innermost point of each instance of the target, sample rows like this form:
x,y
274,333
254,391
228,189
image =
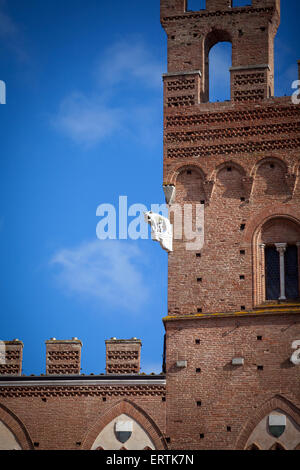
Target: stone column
x,y
262,277
281,247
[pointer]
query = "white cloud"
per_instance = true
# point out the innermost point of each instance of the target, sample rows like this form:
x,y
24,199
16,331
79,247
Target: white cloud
x,y
129,60
90,118
87,120
107,271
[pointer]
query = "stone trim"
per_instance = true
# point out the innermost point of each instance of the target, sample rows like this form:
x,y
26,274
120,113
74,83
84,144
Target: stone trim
x,y
16,427
250,67
132,410
277,402
178,74
290,310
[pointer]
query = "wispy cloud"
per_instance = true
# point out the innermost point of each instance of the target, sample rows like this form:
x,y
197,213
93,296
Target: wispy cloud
x,y
129,60
87,120
108,271
90,118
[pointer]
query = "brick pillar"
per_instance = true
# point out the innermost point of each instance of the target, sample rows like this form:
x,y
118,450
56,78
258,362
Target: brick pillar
x,y
11,354
63,356
123,356
182,89
250,83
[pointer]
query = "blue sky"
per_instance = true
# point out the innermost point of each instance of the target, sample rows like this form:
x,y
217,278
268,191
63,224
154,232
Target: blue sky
x,y
82,126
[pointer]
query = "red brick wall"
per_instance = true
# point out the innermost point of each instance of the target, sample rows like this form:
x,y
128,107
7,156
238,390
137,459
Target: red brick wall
x,y
256,137
64,419
230,395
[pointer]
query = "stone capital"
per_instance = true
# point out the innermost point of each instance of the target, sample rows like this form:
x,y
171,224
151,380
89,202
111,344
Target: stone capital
x,y
281,247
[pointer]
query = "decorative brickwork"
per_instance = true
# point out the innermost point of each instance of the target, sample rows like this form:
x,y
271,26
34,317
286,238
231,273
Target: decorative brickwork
x,y
63,357
233,320
123,356
82,390
243,157
11,357
251,114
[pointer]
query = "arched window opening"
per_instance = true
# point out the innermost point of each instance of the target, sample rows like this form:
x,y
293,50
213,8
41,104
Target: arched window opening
x,y
276,259
220,60
196,5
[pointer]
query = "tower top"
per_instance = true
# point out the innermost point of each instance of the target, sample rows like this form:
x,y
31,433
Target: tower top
x,y
250,29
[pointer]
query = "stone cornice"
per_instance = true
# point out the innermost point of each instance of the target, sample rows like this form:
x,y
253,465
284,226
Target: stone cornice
x,y
290,309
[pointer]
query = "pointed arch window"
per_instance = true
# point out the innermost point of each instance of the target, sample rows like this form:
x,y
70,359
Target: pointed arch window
x,y
276,260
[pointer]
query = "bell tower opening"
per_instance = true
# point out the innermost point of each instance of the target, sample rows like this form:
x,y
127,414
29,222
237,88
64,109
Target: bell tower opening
x,y
241,3
220,59
196,5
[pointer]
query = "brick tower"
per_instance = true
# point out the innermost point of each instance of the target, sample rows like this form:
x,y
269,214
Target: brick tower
x,y
233,320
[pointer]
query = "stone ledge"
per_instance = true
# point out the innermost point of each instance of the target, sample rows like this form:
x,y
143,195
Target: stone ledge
x,y
258,312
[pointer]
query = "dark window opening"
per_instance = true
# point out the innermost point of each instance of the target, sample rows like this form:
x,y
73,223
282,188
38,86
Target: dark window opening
x,y
196,5
260,367
291,272
242,252
199,310
198,255
259,338
242,277
201,436
243,307
197,341
199,403
198,370
242,227
228,428
199,279
272,272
